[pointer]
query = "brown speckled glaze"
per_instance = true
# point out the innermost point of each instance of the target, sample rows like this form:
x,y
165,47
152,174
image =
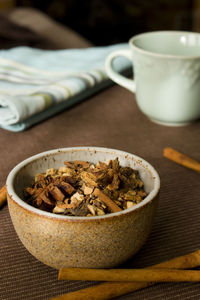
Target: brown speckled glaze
x,y
92,242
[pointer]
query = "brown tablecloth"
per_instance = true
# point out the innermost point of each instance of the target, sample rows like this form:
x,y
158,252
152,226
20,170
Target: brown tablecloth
x,y
109,119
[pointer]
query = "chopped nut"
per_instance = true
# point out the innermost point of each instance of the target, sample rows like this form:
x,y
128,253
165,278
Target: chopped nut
x,y
66,171
100,212
88,190
138,199
58,210
91,209
51,171
130,195
142,193
140,183
39,177
130,204
77,197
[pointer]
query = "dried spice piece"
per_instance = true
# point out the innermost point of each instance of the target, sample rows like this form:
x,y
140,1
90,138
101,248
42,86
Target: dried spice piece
x,y
106,200
81,188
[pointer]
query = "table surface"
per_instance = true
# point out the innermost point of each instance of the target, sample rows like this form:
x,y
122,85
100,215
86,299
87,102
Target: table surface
x,y
110,119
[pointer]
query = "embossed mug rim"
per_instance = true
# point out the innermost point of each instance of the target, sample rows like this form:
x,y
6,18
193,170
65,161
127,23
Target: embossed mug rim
x,y
163,55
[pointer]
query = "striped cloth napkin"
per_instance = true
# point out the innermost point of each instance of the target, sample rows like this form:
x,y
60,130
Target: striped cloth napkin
x,y
36,84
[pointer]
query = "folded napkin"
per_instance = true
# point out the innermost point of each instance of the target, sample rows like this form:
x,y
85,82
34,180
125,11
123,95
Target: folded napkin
x,y
36,84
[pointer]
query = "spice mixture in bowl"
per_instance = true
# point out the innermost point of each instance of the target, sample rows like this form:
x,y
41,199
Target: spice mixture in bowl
x,y
83,188
83,206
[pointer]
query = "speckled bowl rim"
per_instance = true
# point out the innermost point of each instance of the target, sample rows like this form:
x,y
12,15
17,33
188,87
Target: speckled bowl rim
x,y
22,203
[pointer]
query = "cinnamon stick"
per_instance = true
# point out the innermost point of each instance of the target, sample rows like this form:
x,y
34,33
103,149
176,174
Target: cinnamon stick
x,y
148,275
181,159
111,204
111,290
3,195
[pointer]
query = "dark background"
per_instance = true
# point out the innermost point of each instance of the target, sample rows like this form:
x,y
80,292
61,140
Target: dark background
x,y
106,22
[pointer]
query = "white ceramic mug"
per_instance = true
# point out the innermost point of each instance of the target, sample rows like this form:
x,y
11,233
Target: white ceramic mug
x,y
166,81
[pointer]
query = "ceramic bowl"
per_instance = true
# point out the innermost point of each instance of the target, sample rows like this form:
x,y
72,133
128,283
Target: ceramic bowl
x,y
87,242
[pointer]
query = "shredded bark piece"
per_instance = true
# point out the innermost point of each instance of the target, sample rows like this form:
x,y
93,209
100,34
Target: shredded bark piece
x,y
56,192
105,199
81,163
66,187
44,197
81,188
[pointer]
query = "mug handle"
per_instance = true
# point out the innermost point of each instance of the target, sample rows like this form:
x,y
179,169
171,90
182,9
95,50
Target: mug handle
x,y
114,75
